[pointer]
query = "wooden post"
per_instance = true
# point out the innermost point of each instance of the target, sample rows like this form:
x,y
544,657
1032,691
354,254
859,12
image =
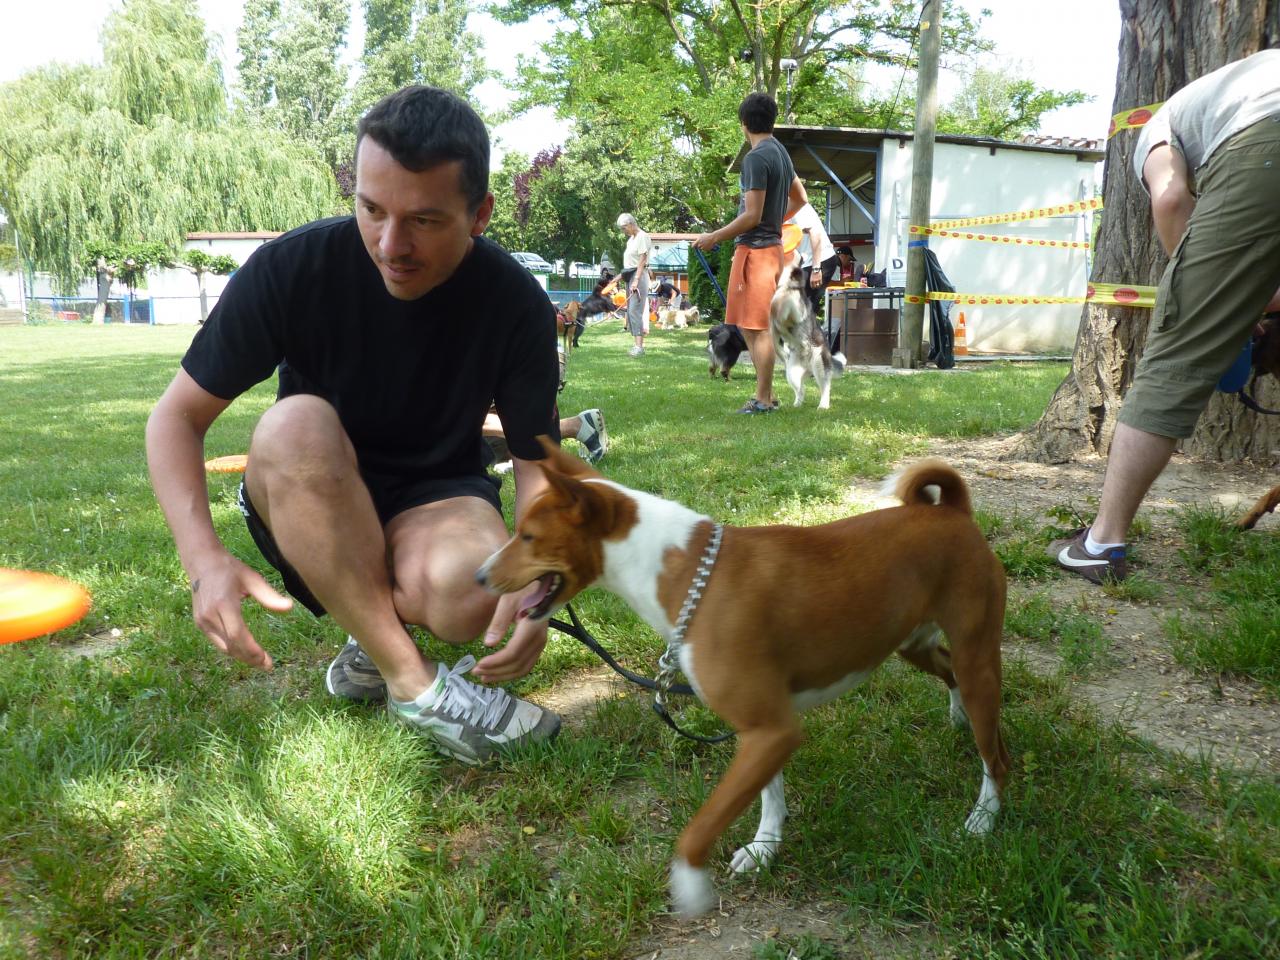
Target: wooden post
x,y
911,335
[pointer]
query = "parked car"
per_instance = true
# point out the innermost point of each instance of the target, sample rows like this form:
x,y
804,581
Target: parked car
x,y
580,269
532,261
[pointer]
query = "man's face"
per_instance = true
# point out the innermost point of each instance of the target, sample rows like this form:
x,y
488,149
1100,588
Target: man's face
x,y
416,226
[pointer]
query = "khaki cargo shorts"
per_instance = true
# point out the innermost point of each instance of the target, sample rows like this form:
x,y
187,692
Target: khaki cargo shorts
x,y
1218,281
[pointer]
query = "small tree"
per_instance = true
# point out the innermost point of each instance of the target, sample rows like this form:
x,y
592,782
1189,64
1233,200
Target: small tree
x,y
203,264
130,264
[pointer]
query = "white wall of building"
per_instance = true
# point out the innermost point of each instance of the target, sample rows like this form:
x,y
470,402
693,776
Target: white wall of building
x,y
971,181
175,293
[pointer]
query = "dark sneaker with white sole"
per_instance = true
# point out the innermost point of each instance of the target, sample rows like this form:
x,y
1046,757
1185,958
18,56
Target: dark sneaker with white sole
x,y
475,723
1110,566
592,435
353,676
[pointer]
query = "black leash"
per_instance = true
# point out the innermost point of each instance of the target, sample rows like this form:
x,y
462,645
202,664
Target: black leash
x,y
1248,400
580,633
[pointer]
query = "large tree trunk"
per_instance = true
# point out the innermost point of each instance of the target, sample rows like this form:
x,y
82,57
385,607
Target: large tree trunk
x,y
1164,45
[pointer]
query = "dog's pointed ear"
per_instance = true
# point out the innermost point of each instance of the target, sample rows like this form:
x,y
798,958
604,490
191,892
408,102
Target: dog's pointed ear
x,y
562,461
565,473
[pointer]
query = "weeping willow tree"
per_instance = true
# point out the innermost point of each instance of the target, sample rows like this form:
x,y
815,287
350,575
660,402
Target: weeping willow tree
x,y
142,149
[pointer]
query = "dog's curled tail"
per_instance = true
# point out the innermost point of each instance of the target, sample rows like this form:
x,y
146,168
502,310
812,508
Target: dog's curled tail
x,y
930,481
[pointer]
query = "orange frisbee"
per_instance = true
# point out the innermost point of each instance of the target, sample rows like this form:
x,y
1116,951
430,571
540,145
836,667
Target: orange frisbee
x,y
235,463
791,235
33,604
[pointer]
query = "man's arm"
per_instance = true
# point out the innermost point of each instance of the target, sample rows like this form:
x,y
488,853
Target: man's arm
x,y
752,211
175,457
527,641
1165,174
797,197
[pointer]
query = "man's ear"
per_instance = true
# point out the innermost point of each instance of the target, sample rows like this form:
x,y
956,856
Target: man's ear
x,y
561,461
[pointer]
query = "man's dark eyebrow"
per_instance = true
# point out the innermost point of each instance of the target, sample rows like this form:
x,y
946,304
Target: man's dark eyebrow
x,y
425,212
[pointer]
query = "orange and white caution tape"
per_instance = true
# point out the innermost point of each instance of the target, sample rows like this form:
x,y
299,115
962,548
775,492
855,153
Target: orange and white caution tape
x,y
1135,117
997,238
1121,295
1037,213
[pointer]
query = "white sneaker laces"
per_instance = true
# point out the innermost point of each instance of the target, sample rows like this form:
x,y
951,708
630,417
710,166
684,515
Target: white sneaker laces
x,y
482,706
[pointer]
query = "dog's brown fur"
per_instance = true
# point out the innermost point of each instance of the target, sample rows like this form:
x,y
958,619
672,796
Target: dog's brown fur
x,y
789,610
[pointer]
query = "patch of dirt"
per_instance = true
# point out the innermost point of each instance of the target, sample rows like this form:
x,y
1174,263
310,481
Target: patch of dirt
x,y
744,922
1137,684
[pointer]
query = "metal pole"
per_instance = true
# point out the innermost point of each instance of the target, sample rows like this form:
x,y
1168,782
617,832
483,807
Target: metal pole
x,y
912,334
22,277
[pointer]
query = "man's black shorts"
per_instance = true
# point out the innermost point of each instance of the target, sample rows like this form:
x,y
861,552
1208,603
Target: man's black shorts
x,y
389,498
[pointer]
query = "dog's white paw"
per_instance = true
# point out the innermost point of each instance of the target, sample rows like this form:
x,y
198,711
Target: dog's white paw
x,y
756,855
959,717
981,820
691,891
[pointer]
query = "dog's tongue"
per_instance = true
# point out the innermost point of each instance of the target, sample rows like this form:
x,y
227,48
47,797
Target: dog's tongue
x,y
536,595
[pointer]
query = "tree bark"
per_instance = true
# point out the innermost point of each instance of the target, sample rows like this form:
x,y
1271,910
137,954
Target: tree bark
x,y
1164,45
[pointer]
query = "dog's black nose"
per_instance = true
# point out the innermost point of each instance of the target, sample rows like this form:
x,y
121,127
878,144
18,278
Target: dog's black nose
x,y
481,578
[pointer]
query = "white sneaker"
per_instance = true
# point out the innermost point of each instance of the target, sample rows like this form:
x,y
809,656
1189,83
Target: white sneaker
x,y
473,723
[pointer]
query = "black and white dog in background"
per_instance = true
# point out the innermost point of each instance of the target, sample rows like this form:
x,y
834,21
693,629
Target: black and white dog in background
x,y
798,342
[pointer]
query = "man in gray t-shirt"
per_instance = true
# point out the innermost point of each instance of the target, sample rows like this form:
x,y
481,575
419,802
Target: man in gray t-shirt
x,y
1210,159
771,192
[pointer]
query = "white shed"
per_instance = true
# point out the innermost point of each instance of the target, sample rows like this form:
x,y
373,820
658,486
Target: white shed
x,y
867,200
175,295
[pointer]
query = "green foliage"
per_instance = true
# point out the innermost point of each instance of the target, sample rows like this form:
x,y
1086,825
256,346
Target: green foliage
x,y
8,257
200,262
292,77
1239,633
995,103
111,156
159,64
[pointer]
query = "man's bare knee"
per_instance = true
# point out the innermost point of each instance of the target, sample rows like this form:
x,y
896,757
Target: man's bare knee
x,y
300,432
454,617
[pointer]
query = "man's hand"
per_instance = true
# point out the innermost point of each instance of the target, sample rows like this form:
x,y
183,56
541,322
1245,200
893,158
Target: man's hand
x,y
815,278
522,651
1273,305
706,241
217,591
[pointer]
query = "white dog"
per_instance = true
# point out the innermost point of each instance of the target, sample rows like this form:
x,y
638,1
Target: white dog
x,y
671,318
798,341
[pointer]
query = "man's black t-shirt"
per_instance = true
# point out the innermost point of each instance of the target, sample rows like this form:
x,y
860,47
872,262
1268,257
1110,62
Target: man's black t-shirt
x,y
411,380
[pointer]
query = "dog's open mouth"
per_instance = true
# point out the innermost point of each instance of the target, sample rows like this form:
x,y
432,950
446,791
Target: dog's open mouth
x,y
538,603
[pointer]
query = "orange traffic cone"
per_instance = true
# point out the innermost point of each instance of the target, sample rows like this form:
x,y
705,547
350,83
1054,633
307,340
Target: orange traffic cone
x,y
961,345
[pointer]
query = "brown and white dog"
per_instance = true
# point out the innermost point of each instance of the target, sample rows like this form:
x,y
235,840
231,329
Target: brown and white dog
x,y
797,340
790,617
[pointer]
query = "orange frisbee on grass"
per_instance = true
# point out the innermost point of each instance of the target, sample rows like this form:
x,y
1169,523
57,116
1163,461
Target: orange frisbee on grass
x,y
235,463
33,604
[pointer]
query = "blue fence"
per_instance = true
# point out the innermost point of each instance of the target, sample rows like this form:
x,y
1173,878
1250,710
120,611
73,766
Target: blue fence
x,y
73,309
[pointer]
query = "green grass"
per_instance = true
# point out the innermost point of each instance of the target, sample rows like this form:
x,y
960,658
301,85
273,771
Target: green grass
x,y
1075,632
1241,633
160,800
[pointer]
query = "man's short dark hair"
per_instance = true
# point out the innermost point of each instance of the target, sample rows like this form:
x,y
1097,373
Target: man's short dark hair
x,y
422,127
757,112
